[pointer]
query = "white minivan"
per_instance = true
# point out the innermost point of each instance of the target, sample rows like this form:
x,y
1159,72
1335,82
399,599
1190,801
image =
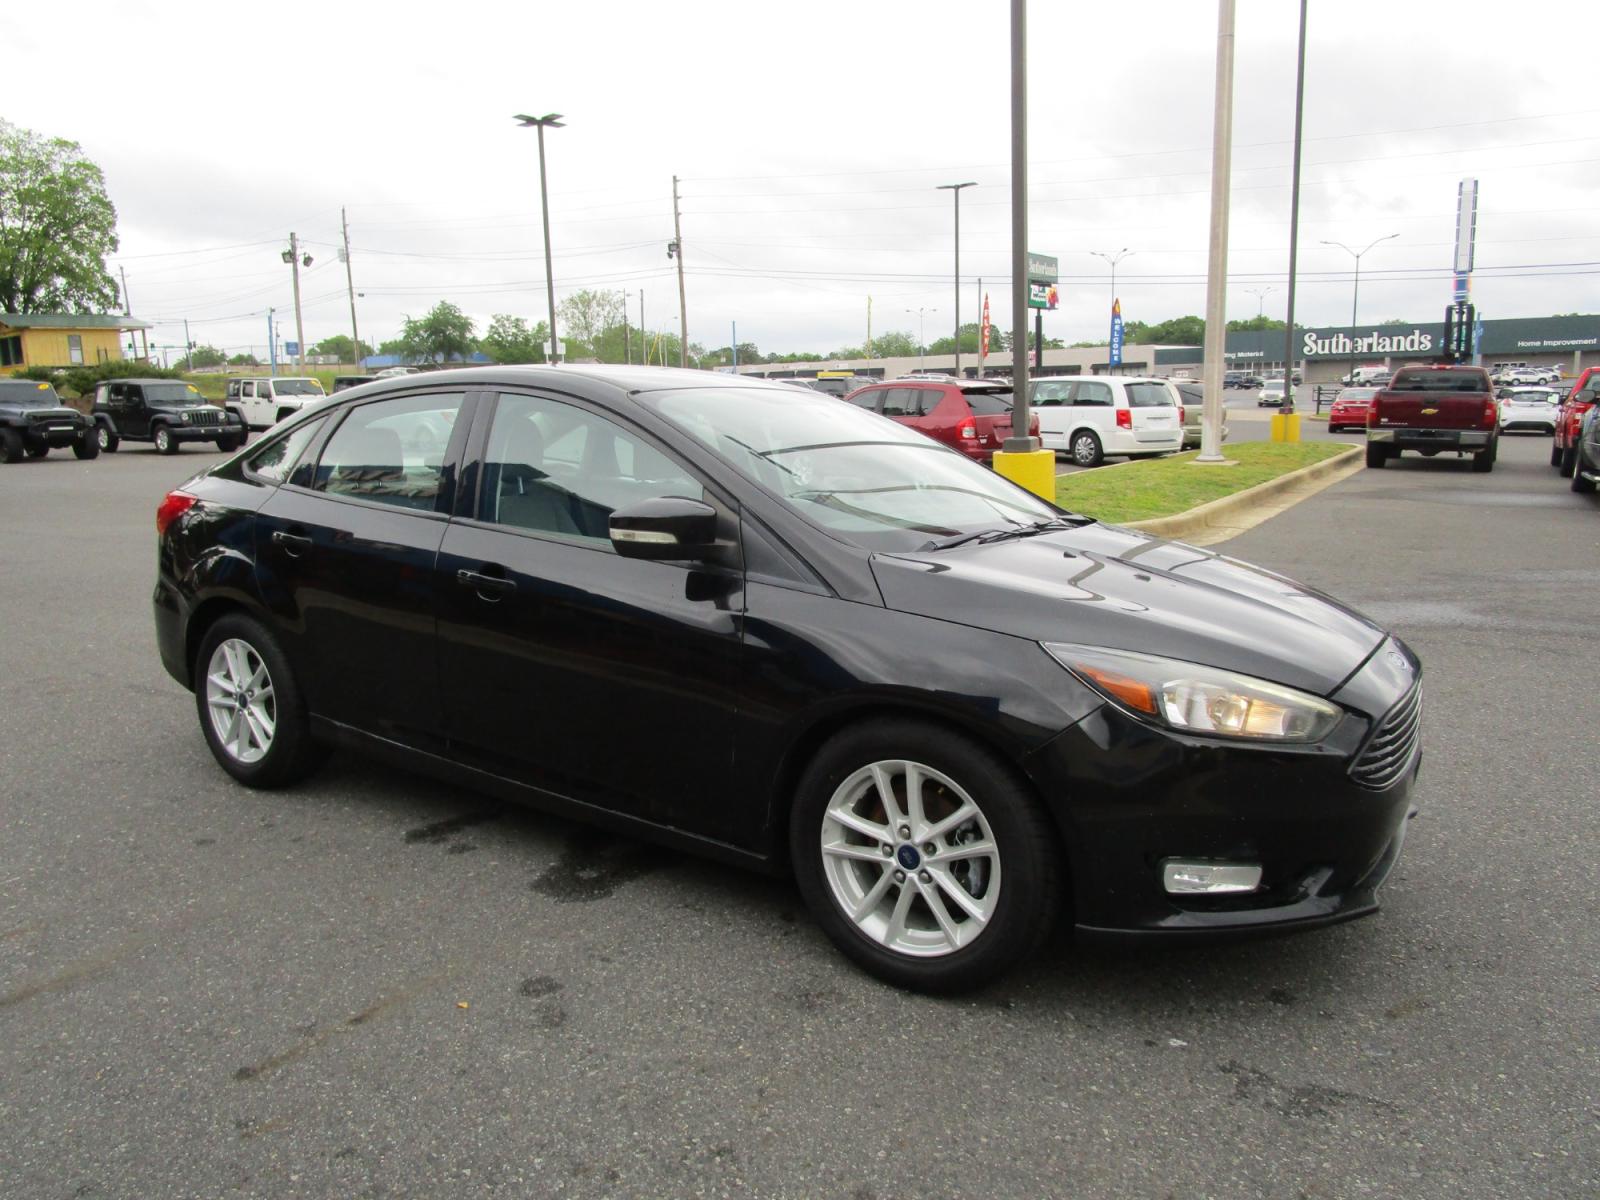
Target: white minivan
x,y
1092,416
261,403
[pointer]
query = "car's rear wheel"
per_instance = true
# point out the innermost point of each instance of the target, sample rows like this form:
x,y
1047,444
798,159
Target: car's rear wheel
x,y
228,444
1377,455
1086,450
251,710
88,445
165,442
923,855
10,446
1579,483
1483,460
1569,460
108,440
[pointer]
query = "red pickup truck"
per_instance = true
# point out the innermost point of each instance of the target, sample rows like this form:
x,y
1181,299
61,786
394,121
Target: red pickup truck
x,y
1433,409
1583,396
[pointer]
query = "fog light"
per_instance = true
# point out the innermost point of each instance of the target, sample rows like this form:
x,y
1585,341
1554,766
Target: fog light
x,y
1209,878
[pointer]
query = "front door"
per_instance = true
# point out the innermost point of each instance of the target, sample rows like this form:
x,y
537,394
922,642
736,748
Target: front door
x,y
565,666
346,562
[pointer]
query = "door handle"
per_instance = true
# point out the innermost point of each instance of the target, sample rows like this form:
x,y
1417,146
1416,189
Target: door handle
x,y
490,587
294,544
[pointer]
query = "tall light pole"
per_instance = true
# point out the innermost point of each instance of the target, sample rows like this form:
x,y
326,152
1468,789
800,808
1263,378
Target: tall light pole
x,y
955,190
296,260
1114,259
920,312
1355,296
553,120
1261,295
1217,250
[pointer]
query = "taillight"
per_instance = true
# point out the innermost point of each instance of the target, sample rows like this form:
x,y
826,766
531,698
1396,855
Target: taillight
x,y
1182,419
968,430
1124,418
173,507
1490,413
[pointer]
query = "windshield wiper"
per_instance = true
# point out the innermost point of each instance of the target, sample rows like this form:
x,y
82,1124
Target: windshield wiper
x,y
984,536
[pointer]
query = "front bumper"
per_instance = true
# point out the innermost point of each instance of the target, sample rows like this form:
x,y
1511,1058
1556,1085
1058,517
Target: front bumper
x,y
204,433
56,436
1128,797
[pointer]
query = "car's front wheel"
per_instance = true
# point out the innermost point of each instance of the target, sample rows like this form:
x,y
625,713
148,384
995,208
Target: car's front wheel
x,y
88,445
251,710
39,451
1579,483
108,440
1086,450
1567,461
10,446
165,442
923,855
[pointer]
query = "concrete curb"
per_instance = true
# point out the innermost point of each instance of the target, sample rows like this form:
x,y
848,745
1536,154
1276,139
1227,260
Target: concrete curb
x,y
1224,518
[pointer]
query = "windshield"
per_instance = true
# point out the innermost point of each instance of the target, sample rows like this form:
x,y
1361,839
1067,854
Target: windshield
x,y
22,392
1362,394
1440,381
864,478
297,387
172,394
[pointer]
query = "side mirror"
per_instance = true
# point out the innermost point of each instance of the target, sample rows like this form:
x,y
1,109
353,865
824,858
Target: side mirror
x,y
665,528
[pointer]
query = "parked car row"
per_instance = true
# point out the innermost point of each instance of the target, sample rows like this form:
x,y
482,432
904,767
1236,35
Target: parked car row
x,y
1575,451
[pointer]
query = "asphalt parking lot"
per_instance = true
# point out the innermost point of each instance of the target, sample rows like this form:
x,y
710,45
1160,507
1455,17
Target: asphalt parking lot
x,y
370,985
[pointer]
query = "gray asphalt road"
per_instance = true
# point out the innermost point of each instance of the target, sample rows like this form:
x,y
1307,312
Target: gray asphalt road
x,y
372,986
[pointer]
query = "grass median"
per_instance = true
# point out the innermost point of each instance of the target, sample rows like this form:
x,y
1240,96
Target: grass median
x,y
1162,487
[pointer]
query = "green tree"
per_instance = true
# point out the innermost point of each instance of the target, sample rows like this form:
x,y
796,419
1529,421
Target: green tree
x,y
1179,331
511,340
244,360
1257,325
894,344
57,225
201,357
339,344
586,315
444,333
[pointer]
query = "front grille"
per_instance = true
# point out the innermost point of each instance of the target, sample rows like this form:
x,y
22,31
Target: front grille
x,y
1393,747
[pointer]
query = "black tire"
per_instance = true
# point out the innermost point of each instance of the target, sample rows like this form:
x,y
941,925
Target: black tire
x,y
1377,455
244,426
285,413
1555,454
1569,460
229,444
108,440
10,446
164,441
87,446
38,451
1027,888
1483,460
1085,449
1581,485
290,754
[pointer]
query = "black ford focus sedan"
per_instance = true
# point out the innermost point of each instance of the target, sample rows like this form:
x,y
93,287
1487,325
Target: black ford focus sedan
x,y
785,632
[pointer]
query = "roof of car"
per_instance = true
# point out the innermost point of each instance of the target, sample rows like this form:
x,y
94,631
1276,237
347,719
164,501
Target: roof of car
x,y
632,378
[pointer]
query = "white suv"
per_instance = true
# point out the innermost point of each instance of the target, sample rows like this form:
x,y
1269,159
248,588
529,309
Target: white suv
x,y
1092,416
262,403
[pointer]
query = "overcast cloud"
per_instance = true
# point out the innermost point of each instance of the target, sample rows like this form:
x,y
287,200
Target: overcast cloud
x,y
809,139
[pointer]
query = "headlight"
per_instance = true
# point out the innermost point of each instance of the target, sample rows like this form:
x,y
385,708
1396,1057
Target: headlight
x,y
1192,698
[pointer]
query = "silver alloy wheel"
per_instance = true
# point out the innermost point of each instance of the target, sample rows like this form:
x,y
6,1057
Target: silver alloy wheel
x,y
163,438
1084,449
910,858
240,699
103,436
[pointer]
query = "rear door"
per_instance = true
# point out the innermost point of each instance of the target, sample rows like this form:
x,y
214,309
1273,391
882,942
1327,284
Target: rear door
x,y
1094,406
1154,411
991,413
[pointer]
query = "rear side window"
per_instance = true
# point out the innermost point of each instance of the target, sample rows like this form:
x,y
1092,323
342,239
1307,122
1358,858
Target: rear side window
x,y
390,452
1092,395
1149,395
989,404
273,461
901,402
868,400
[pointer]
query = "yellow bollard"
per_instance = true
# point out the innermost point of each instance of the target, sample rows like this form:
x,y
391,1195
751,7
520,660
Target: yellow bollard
x,y
1034,470
1286,427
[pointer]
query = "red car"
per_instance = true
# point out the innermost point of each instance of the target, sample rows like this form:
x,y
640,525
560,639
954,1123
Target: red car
x,y
1582,397
969,415
1349,409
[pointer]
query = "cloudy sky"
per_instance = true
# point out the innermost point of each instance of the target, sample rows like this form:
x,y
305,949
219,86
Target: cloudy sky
x,y
809,139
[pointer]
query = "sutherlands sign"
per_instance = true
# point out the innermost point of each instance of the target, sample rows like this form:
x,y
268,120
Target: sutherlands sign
x,y
1341,344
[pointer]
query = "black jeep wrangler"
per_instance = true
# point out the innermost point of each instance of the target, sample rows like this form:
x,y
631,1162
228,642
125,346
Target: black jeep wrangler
x,y
33,421
166,412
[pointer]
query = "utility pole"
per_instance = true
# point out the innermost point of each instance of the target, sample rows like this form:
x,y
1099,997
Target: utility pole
x,y
735,347
272,342
869,329
349,278
188,344
955,190
1217,264
1020,441
644,336
127,311
627,340
683,303
299,326
1294,216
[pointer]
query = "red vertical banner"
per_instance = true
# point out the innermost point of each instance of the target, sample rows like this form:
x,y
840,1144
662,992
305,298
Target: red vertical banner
x,y
983,332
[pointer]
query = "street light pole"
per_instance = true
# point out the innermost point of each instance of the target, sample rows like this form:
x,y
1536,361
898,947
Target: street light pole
x,y
955,190
553,120
1217,253
1355,295
919,312
1261,298
1114,259
295,259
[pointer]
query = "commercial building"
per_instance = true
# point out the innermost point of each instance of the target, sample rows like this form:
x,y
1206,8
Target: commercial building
x,y
1323,354
61,339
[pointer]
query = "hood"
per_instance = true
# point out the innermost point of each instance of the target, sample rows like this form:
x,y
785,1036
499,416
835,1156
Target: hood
x,y
49,407
1121,589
